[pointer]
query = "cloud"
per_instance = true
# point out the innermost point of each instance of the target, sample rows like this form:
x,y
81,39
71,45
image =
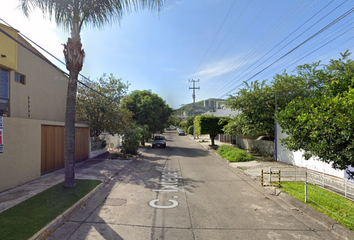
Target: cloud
x,y
219,68
171,6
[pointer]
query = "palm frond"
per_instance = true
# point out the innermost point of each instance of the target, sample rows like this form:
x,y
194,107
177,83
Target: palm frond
x,y
87,12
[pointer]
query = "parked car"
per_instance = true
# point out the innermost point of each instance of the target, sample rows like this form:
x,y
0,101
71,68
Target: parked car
x,y
181,132
159,141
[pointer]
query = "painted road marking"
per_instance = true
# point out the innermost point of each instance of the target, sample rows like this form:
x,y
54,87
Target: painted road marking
x,y
168,183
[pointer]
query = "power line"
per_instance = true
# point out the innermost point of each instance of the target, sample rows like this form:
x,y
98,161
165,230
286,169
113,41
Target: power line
x,y
228,34
49,62
299,58
271,31
230,73
215,36
292,50
290,41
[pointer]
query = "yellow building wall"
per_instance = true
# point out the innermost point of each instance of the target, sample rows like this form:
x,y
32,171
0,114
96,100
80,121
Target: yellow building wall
x,y
8,48
43,96
21,160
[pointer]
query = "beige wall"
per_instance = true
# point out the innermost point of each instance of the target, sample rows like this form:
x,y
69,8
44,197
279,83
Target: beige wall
x,y
45,85
266,147
21,160
8,47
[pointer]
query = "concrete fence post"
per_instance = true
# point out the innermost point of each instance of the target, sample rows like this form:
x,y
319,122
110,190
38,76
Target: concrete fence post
x,y
306,186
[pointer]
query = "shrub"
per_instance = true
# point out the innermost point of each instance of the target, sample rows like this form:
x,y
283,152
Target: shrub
x,y
131,140
190,130
234,154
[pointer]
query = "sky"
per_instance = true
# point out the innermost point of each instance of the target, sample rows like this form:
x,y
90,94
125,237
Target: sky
x,y
221,43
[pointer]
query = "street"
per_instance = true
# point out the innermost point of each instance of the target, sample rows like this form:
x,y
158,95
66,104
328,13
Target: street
x,y
186,192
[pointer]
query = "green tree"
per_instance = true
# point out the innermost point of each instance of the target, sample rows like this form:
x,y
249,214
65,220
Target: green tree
x,y
145,134
98,104
73,15
148,109
256,104
258,101
322,124
187,124
131,138
237,126
208,124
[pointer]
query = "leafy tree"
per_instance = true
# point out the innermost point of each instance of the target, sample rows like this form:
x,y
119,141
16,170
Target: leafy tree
x,y
98,104
258,101
237,126
148,109
145,134
131,138
187,124
208,124
173,120
322,124
73,15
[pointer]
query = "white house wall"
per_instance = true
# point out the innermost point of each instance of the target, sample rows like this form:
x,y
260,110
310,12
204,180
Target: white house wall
x,y
296,158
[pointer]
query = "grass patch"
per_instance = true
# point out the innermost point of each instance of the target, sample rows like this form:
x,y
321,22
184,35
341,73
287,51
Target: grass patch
x,y
333,205
27,218
202,141
234,154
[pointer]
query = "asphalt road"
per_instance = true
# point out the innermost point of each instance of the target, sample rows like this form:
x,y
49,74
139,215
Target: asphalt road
x,y
187,192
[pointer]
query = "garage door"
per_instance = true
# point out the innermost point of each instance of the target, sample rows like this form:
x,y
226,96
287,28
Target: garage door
x,y
53,139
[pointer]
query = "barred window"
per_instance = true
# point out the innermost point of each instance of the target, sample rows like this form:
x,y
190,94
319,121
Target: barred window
x,y
20,78
4,92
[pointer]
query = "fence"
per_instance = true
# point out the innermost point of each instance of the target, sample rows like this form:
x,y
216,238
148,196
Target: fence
x,y
339,209
341,186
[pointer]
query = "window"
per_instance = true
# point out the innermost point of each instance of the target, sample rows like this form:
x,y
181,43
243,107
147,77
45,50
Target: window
x,y
4,92
20,78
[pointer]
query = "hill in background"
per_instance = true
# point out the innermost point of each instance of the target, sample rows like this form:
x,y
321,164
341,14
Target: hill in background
x,y
188,108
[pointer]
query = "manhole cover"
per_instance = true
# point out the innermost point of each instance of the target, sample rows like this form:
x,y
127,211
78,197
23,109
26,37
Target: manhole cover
x,y
116,201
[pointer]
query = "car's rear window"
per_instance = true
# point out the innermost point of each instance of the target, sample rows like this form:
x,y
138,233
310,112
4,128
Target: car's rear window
x,y
159,138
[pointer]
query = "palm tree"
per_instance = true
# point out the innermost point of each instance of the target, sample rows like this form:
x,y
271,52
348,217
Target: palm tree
x,y
73,15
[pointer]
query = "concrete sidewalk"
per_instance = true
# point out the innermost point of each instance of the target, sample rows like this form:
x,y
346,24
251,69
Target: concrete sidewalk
x,y
98,168
253,170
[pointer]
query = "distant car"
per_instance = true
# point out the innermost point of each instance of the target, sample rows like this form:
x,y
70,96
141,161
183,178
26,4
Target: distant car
x,y
159,141
181,132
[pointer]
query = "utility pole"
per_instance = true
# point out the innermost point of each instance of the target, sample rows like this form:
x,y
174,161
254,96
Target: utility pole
x,y
194,88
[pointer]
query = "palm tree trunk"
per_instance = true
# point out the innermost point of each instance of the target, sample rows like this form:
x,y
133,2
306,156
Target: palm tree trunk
x,y
70,131
74,56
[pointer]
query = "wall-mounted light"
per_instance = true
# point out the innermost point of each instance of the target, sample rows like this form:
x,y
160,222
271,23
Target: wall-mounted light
x,y
3,55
